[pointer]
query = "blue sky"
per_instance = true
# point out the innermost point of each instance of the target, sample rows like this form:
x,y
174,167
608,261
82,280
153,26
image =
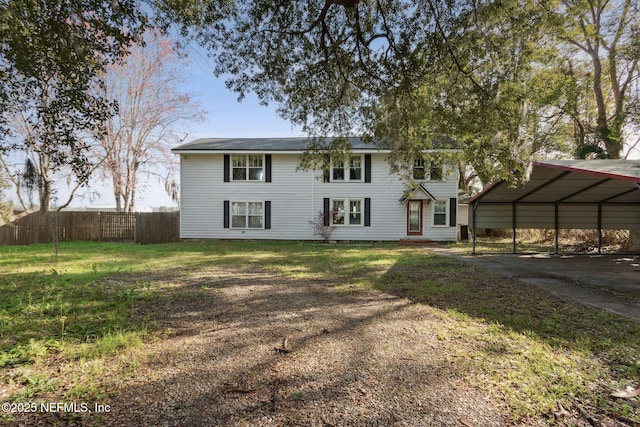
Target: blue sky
x,y
226,118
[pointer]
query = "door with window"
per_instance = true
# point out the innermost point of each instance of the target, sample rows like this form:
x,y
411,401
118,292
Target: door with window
x,y
414,217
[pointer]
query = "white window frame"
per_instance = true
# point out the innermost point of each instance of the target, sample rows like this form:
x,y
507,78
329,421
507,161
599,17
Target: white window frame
x,y
248,167
427,168
347,165
347,217
445,213
247,215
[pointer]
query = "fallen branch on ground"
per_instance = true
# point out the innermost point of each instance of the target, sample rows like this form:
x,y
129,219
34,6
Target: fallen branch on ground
x,y
628,392
587,416
285,344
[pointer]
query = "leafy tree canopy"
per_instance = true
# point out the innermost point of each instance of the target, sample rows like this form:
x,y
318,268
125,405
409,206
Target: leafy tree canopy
x,y
52,56
490,74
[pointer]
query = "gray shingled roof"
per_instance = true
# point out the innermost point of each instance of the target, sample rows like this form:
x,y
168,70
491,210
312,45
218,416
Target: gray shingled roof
x,y
279,144
260,144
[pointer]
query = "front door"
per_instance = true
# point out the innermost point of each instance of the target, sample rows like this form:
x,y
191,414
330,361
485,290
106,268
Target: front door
x,y
414,217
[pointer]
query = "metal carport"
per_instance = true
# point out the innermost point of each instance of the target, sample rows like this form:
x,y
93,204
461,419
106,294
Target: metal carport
x,y
563,194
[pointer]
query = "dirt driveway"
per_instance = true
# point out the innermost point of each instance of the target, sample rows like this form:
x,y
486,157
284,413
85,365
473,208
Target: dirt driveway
x,y
610,282
253,348
243,345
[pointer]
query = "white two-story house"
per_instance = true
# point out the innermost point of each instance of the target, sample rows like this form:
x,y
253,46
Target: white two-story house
x,y
252,188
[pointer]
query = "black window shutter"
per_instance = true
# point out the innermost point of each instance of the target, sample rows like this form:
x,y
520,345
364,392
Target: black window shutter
x,y
326,212
367,168
367,212
227,168
453,204
226,214
267,168
267,215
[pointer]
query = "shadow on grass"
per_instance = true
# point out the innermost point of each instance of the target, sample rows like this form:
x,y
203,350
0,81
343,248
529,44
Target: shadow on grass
x,y
220,301
448,284
216,363
574,337
85,294
44,313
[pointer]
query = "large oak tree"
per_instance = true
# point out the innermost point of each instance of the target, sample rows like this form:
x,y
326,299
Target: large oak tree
x,y
52,56
599,48
491,74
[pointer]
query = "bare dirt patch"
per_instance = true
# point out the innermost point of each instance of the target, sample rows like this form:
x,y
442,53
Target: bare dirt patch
x,y
245,345
357,358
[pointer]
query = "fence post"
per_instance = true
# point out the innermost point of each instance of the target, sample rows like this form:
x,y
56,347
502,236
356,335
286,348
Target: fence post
x,y
136,228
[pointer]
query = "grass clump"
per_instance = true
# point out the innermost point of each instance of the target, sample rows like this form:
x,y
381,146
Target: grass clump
x,y
69,327
530,349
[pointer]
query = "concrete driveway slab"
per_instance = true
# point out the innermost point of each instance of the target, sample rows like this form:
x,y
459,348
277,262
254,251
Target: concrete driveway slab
x,y
609,282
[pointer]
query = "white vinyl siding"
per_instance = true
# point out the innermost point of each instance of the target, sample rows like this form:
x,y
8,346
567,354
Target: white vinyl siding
x,y
297,197
203,194
462,217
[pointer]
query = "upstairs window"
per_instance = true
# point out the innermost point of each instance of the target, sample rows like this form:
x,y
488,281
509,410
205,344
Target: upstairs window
x,y
435,171
247,167
427,171
419,171
355,168
347,170
337,170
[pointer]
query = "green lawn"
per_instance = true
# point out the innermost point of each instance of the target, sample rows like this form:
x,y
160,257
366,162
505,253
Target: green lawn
x,y
525,348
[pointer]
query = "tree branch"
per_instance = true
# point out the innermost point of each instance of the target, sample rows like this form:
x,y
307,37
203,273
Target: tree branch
x,y
450,51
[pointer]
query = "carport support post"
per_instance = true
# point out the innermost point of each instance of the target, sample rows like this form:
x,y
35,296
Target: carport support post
x,y
513,221
599,228
473,225
557,226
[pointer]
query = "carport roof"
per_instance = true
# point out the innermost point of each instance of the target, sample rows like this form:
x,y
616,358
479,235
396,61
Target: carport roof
x,y
571,181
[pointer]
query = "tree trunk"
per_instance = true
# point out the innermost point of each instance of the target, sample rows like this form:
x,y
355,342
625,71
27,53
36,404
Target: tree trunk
x,y
132,178
132,201
45,195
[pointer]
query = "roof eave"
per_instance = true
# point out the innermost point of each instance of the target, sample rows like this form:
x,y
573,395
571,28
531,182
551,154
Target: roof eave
x,y
196,151
588,171
252,151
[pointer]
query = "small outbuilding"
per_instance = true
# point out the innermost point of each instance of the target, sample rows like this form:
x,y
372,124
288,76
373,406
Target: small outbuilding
x,y
563,194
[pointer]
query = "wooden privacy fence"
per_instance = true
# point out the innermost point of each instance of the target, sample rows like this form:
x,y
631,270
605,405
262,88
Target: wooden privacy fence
x,y
139,227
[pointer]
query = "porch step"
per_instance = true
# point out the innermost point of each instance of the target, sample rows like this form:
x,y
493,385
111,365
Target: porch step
x,y
416,242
